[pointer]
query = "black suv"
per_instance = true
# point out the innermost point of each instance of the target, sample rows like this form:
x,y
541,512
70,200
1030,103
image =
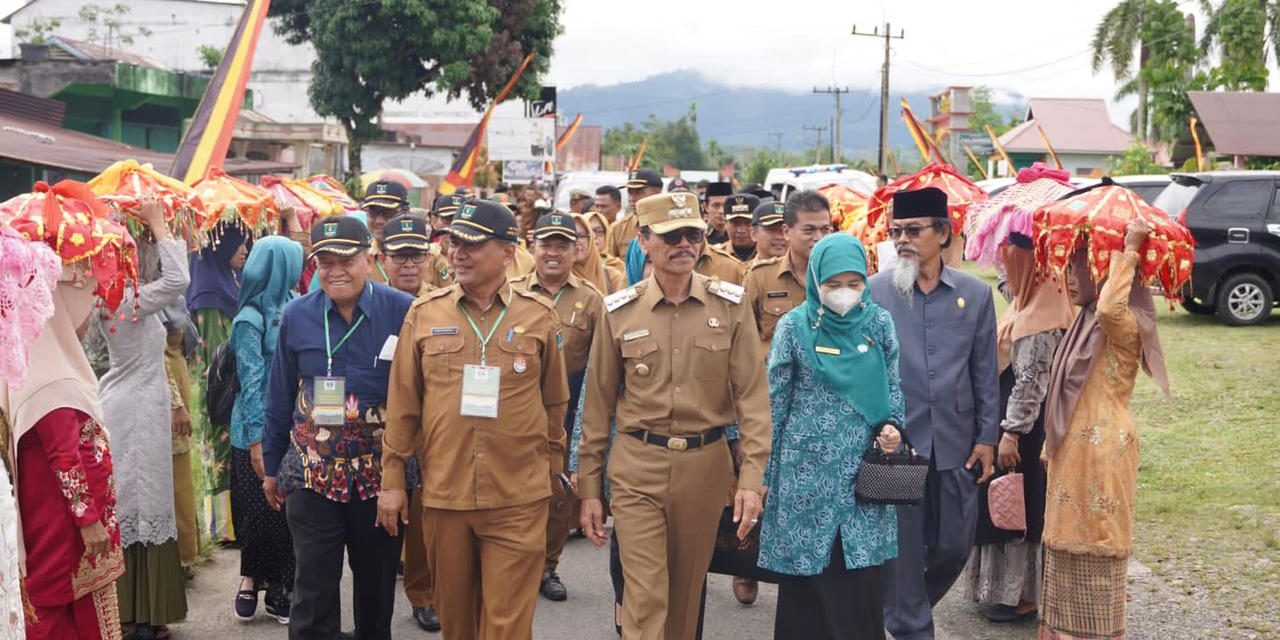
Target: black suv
x,y
1235,219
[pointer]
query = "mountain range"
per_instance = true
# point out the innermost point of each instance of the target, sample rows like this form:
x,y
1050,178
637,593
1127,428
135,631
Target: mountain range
x,y
746,117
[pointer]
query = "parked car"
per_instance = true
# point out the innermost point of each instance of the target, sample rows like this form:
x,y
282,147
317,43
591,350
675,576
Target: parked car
x,y
994,186
783,182
1149,187
1235,219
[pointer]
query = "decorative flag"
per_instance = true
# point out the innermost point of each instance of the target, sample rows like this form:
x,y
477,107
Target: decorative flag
x,y
635,162
1000,150
1053,156
981,169
207,138
568,133
464,168
1195,137
924,142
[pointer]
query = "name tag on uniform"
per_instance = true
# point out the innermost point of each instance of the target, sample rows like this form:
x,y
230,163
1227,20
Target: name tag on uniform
x,y
444,331
480,391
635,335
776,294
330,394
831,351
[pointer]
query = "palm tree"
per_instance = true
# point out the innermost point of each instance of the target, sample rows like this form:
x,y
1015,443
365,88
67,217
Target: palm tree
x,y
1122,31
1243,32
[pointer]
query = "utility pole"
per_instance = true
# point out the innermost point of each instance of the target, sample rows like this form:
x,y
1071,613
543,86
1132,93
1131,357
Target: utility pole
x,y
835,140
817,150
777,136
884,83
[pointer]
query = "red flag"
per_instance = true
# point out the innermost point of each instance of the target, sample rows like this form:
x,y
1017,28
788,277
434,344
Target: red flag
x,y
568,133
464,168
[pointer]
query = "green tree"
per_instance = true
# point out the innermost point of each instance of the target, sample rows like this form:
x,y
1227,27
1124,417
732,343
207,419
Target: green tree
x,y
108,26
1136,160
209,55
983,113
1170,71
1240,32
38,31
671,142
370,52
1122,33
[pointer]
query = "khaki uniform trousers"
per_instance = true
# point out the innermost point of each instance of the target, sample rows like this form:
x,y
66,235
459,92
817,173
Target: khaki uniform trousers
x,y
561,517
486,568
417,570
666,508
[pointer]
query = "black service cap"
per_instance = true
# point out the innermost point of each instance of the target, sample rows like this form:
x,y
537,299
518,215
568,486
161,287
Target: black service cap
x,y
406,231
339,235
481,220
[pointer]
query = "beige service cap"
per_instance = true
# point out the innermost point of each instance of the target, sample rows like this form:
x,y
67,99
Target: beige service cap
x,y
666,212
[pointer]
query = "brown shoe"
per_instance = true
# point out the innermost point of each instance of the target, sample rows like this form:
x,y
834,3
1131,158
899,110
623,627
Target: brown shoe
x,y
745,590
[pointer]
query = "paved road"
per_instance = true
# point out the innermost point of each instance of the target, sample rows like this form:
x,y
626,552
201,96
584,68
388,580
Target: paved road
x,y
1156,611
587,615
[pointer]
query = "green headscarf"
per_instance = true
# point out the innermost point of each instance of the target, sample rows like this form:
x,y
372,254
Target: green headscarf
x,y
840,348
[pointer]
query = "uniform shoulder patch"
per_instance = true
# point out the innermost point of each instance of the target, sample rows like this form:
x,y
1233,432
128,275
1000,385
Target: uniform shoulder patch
x,y
529,295
764,263
430,295
726,290
619,299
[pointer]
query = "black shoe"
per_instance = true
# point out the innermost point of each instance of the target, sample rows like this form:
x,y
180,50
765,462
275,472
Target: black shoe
x,y
427,618
246,605
278,607
552,589
347,635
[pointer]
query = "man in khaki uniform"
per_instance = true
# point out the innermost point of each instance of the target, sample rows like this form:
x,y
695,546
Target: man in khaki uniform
x,y
738,211
579,304
640,184
771,239
478,385
675,359
719,264
777,286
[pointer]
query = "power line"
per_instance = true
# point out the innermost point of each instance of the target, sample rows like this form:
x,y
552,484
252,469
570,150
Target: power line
x,y
817,151
836,91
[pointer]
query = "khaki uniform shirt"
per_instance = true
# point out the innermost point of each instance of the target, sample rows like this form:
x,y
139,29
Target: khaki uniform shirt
x,y
773,289
579,304
675,370
620,235
718,264
471,463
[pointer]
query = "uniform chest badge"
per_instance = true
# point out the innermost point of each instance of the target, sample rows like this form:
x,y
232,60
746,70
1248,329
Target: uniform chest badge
x,y
642,369
862,348
520,364
960,303
713,322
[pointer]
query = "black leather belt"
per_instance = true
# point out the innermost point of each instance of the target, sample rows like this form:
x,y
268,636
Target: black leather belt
x,y
678,443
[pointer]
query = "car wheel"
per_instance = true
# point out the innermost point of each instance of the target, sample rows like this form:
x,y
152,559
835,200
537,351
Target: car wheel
x,y
1244,299
1197,308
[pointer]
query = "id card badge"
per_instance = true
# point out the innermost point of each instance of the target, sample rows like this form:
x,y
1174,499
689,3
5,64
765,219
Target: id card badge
x,y
330,401
480,391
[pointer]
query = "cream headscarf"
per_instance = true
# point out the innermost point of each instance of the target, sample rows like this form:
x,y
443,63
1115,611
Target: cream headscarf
x,y
1040,303
591,269
59,376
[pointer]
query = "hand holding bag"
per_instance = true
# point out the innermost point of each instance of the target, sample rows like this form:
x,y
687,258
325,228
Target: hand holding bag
x,y
892,478
1006,502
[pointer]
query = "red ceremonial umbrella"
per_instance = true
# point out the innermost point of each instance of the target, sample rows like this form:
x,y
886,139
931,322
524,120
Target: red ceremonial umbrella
x,y
1098,217
75,224
234,201
126,182
961,192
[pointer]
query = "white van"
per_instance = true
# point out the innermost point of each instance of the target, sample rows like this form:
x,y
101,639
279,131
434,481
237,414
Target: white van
x,y
782,182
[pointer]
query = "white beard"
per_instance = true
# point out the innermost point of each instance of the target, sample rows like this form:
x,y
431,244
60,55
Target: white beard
x,y
905,272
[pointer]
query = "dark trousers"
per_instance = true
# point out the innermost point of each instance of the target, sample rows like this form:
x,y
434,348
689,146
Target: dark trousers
x,y
934,540
321,529
837,604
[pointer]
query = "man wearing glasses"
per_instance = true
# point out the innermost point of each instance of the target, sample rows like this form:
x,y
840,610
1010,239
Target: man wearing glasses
x,y
946,327
406,251
675,359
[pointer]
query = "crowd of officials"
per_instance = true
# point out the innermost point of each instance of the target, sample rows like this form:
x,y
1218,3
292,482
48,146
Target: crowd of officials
x,y
447,395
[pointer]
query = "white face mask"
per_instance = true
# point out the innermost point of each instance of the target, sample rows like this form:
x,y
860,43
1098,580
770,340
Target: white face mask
x,y
841,300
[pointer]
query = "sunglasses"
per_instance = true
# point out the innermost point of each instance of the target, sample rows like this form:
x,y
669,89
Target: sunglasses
x,y
694,236
406,258
912,230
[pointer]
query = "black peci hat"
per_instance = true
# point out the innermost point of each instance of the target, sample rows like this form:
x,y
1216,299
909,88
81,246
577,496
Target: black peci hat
x,y
719,189
928,202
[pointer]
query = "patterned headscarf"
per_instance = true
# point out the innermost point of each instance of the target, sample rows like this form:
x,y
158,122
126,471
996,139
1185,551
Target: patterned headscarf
x,y
28,276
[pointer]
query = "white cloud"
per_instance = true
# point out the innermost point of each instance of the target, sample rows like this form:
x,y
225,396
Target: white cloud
x,y
1032,49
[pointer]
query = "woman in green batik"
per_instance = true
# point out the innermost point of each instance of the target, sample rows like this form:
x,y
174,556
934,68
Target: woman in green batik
x,y
212,300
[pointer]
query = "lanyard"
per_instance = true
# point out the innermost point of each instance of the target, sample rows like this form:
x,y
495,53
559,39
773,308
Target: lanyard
x,y
378,263
484,340
330,350
555,300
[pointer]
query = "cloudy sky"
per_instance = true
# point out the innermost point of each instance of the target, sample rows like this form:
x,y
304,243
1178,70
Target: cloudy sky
x,y
1033,48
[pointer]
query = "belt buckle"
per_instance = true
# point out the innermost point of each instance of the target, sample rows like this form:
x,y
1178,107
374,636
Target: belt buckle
x,y
677,444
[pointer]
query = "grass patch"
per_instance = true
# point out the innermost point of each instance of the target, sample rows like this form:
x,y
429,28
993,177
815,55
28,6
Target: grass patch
x,y
1208,517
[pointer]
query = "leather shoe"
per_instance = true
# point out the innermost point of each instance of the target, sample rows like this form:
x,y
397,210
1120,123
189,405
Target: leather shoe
x,y
552,589
1006,613
427,618
745,590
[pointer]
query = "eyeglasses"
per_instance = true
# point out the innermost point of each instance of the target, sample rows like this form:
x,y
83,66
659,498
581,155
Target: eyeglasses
x,y
406,258
694,236
912,230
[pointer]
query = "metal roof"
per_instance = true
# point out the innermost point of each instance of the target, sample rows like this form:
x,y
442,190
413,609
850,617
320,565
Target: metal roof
x,y
1240,123
1073,125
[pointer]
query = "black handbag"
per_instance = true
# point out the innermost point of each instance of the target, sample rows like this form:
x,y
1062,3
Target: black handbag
x,y
734,557
892,478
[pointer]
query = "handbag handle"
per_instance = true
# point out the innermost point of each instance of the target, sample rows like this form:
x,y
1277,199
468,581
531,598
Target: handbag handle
x,y
875,444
